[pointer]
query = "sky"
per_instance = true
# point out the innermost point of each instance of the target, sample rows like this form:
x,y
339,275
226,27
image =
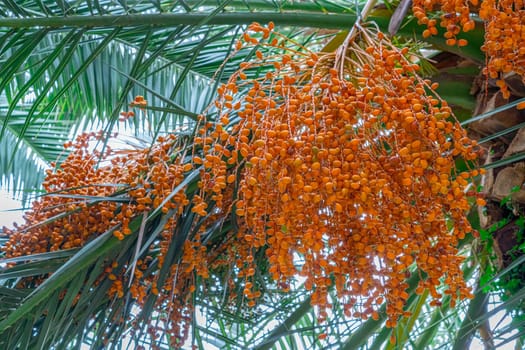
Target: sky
x,y
9,210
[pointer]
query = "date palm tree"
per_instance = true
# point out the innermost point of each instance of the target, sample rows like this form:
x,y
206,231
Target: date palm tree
x,y
68,67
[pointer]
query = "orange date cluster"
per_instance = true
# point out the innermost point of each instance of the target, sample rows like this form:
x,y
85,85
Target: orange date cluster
x,y
504,31
92,192
346,162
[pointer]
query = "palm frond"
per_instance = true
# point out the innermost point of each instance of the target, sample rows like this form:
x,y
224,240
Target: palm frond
x,y
84,75
61,71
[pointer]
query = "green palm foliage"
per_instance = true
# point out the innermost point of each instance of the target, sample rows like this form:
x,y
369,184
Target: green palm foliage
x,y
69,66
